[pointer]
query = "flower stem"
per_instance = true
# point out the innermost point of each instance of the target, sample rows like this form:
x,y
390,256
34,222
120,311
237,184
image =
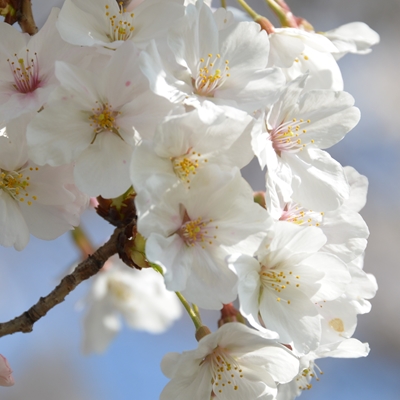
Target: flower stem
x,y
248,9
82,241
192,314
223,3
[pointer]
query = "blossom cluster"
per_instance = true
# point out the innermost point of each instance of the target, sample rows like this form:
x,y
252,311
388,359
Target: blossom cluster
x,y
173,98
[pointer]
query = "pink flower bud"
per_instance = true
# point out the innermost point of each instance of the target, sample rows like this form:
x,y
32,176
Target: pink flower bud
x,y
6,378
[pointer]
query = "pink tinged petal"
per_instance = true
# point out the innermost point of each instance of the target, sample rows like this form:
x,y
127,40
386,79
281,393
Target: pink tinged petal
x,y
78,81
103,168
6,378
122,76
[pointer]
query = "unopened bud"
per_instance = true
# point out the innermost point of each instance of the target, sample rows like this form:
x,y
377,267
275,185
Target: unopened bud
x,y
259,198
8,9
120,211
131,248
230,314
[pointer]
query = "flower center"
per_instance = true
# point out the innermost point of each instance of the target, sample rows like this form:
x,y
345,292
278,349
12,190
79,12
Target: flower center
x,y
103,119
186,165
25,72
297,214
119,290
16,184
278,281
196,231
225,370
120,25
211,74
304,378
286,137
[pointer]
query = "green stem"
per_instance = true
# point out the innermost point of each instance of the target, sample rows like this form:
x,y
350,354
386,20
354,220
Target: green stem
x,y
223,3
196,310
194,315
248,9
279,11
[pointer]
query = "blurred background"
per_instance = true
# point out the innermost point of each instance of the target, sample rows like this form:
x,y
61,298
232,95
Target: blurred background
x,y
48,363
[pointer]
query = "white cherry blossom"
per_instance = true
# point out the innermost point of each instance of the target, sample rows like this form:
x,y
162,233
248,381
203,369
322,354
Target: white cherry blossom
x,y
94,120
279,289
349,348
222,64
182,145
344,228
234,363
106,24
191,232
289,142
298,52
137,297
41,200
27,66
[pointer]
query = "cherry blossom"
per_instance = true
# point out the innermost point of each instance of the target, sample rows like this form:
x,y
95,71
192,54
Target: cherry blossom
x,y
222,64
95,121
41,200
289,142
6,378
27,67
279,289
190,233
106,24
139,297
235,362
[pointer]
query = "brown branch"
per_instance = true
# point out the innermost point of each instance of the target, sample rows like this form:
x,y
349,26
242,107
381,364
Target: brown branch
x,y
25,18
86,269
